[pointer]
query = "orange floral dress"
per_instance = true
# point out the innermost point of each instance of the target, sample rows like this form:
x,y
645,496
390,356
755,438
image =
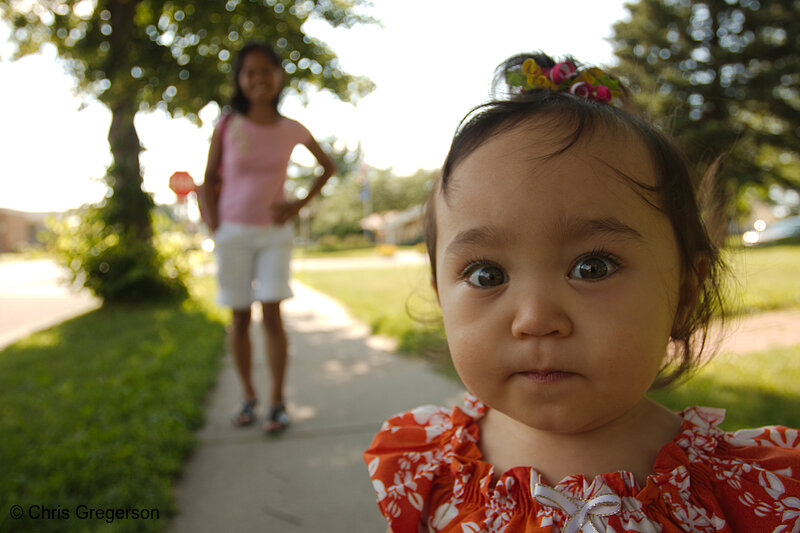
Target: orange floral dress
x,y
427,471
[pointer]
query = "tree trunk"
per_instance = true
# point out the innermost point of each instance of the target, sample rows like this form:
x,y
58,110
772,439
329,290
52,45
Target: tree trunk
x,y
129,207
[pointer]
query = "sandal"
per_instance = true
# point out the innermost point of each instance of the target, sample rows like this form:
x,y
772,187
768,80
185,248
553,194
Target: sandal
x,y
246,415
277,420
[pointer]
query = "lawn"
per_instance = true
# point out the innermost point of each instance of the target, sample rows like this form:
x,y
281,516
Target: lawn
x,y
767,277
756,389
760,388
101,411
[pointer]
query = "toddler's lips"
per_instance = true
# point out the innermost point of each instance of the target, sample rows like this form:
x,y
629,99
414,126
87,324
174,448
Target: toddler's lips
x,y
547,376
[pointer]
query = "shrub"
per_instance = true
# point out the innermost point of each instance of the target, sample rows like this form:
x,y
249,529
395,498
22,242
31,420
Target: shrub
x,y
117,265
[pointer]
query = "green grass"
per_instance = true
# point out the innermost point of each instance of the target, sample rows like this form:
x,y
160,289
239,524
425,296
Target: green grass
x,y
756,389
767,278
101,411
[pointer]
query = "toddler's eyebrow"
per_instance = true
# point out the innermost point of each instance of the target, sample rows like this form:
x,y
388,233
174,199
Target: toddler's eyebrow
x,y
608,226
481,236
569,230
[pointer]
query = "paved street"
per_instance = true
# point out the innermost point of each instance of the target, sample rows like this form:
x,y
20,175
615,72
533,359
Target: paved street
x,y
34,295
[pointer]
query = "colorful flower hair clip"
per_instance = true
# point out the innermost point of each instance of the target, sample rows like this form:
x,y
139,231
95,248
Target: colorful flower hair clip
x,y
591,83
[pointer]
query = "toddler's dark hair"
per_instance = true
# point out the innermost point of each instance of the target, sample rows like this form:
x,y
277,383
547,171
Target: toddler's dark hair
x,y
674,191
239,102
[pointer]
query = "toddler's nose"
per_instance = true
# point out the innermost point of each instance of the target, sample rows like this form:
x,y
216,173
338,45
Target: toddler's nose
x,y
539,314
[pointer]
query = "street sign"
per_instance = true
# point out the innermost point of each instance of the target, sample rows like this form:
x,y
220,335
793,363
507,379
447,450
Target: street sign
x,y
181,184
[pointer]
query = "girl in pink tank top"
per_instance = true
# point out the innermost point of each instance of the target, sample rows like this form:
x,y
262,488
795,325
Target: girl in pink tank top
x,y
243,194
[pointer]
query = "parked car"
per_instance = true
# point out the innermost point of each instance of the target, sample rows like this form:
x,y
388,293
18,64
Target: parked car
x,y
783,229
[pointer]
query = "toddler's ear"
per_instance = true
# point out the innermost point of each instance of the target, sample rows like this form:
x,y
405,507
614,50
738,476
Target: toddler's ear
x,y
689,291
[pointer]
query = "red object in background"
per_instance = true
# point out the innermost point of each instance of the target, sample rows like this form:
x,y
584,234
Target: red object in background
x,y
181,184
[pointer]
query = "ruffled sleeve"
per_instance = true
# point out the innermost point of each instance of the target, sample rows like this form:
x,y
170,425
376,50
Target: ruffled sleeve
x,y
712,480
405,457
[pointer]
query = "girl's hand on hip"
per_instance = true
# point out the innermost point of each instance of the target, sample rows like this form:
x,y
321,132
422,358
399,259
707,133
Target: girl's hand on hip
x,y
286,211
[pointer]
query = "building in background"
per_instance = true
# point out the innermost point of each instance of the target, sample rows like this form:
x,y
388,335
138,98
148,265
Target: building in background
x,y
396,227
19,229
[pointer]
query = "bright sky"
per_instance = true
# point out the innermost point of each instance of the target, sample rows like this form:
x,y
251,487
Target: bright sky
x,y
431,61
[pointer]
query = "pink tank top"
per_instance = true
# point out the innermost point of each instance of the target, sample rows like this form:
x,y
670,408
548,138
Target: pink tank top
x,y
254,162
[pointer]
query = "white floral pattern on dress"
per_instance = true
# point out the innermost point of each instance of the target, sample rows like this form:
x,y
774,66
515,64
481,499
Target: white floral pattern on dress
x,y
427,473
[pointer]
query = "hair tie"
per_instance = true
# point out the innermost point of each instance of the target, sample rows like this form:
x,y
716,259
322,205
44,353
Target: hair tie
x,y
591,83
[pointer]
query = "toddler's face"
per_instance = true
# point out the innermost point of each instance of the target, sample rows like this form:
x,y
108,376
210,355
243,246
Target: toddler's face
x,y
558,283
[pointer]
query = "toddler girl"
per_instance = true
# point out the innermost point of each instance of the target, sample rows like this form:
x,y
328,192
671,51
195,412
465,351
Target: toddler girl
x,y
573,272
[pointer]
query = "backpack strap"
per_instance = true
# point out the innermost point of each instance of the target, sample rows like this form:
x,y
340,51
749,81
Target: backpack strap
x,y
223,128
201,200
223,123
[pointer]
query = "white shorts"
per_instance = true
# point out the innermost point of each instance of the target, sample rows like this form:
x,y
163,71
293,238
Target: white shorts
x,y
252,263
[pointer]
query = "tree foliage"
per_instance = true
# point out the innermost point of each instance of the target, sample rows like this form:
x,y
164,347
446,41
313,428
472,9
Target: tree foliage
x,y
391,192
175,55
724,76
341,209
178,55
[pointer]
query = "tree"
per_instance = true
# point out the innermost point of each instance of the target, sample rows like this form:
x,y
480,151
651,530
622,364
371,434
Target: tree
x,y
342,208
176,55
724,76
392,192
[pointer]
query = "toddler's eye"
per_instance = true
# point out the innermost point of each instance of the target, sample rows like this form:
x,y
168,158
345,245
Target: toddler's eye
x,y
485,276
594,267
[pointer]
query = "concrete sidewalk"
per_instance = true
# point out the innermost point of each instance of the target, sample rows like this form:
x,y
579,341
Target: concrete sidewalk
x,y
342,385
